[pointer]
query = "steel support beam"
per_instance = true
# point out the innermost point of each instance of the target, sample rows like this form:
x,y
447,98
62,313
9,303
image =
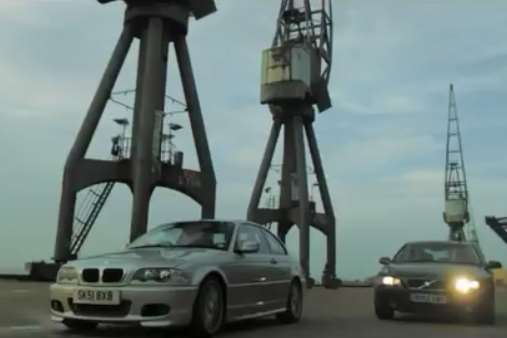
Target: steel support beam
x,y
302,194
198,128
330,227
145,143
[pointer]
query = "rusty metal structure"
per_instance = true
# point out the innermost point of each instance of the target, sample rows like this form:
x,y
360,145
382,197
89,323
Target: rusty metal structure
x,y
295,76
156,24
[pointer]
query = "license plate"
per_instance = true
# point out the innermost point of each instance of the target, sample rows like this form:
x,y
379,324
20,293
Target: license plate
x,y
428,298
97,297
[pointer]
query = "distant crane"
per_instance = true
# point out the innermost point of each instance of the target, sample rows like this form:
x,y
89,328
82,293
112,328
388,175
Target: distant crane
x,y
295,75
456,213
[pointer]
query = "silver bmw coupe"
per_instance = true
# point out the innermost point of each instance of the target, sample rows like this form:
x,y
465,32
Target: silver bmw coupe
x,y
199,274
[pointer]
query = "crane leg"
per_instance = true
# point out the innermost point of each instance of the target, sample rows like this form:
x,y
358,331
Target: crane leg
x,y
329,275
302,186
151,99
198,128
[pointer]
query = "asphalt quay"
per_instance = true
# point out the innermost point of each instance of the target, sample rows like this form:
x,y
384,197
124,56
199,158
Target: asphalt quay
x,y
346,312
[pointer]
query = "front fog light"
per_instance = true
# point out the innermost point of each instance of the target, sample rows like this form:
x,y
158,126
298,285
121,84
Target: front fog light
x,y
465,285
391,281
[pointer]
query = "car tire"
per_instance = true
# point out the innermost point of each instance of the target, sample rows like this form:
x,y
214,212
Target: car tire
x,y
383,310
79,325
485,314
209,309
294,307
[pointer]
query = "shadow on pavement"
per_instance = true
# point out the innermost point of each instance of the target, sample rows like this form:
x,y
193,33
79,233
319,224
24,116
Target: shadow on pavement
x,y
106,331
448,319
251,325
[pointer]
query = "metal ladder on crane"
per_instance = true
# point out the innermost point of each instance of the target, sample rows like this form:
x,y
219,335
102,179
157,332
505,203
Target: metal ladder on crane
x,y
88,213
95,199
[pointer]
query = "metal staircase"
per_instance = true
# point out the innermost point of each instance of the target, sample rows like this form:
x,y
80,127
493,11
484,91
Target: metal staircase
x,y
96,197
88,213
499,226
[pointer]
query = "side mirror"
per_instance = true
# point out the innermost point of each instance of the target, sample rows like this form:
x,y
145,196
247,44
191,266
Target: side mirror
x,y
245,247
385,261
492,265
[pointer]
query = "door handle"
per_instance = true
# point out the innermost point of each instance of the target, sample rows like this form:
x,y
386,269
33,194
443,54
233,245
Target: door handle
x,y
273,261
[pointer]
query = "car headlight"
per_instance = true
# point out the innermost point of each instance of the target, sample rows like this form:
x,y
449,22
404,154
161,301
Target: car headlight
x,y
465,285
67,275
391,281
162,276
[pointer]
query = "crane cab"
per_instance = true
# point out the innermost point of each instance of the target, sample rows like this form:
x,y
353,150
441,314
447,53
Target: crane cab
x,y
456,211
289,73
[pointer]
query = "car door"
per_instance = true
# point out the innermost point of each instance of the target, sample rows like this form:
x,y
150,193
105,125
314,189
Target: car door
x,y
280,272
248,275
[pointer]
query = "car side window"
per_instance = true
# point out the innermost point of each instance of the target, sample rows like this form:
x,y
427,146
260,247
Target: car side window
x,y
251,233
275,245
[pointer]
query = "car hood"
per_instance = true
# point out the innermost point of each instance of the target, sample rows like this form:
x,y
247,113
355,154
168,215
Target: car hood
x,y
435,270
149,257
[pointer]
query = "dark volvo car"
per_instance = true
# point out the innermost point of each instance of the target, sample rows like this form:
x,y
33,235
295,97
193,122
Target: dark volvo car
x,y
432,276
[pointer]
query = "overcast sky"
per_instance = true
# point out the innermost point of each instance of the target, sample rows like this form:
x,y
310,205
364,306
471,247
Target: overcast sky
x,y
382,143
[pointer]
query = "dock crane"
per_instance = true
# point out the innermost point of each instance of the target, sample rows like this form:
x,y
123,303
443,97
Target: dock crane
x,y
295,76
456,213
156,25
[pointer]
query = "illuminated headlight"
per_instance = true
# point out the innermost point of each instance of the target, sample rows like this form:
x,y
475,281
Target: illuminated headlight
x,y
161,275
67,275
465,285
391,281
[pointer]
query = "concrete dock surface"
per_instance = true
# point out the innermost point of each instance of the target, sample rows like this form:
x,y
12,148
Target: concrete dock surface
x,y
346,312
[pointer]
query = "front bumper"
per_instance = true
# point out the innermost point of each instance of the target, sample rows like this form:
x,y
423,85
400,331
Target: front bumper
x,y
132,310
398,298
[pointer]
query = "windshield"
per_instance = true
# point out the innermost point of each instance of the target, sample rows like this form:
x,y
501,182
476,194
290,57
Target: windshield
x,y
438,253
210,235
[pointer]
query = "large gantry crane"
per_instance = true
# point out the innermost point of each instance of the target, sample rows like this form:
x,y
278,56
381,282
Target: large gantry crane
x,y
456,213
156,24
295,76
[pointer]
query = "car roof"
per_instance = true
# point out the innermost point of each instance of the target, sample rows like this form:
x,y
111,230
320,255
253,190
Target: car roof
x,y
215,220
234,221
440,242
